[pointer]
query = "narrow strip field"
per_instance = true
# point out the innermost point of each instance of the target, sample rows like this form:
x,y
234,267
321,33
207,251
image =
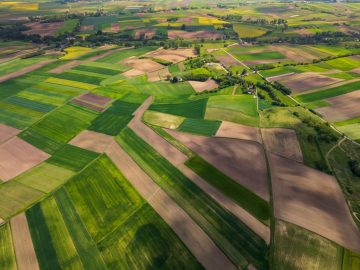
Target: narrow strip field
x,y
24,249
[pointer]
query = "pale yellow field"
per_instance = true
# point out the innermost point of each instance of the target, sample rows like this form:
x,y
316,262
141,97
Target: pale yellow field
x,y
75,52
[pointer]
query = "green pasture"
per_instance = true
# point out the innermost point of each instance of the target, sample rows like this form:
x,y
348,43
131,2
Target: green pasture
x,y
15,197
237,241
72,158
199,126
68,27
52,241
162,119
298,248
7,252
115,118
102,205
190,109
44,177
145,233
121,55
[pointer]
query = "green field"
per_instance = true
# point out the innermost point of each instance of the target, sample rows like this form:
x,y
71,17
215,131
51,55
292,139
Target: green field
x,y
57,128
297,248
199,126
238,241
68,27
249,31
191,109
7,253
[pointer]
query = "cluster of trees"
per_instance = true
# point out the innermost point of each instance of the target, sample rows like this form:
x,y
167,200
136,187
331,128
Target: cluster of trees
x,y
268,88
282,88
200,61
355,167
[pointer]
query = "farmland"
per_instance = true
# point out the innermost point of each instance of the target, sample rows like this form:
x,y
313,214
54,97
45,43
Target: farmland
x,y
186,134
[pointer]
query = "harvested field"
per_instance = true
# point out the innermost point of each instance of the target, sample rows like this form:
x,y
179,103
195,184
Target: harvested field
x,y
237,131
305,81
145,33
65,67
7,132
91,140
172,55
243,161
197,241
43,29
133,73
24,70
158,75
159,143
95,99
202,86
174,34
293,53
24,249
17,156
227,60
145,65
317,196
87,105
283,142
85,28
114,28
342,107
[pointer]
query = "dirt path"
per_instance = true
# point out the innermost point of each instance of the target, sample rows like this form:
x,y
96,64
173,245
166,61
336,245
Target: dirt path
x,y
197,241
152,138
24,249
25,70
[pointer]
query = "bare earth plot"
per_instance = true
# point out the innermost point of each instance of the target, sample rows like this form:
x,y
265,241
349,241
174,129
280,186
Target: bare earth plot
x,y
7,132
342,107
312,200
92,101
24,70
243,161
146,33
305,81
133,73
172,55
17,156
92,141
283,142
24,249
158,75
293,53
146,65
227,60
202,86
197,241
43,29
174,34
237,131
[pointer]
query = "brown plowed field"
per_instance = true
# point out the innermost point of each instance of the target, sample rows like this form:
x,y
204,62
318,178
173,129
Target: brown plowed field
x,y
24,249
237,131
145,65
202,86
243,161
172,55
306,81
342,107
17,156
7,132
283,142
174,34
92,141
313,200
227,60
43,29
